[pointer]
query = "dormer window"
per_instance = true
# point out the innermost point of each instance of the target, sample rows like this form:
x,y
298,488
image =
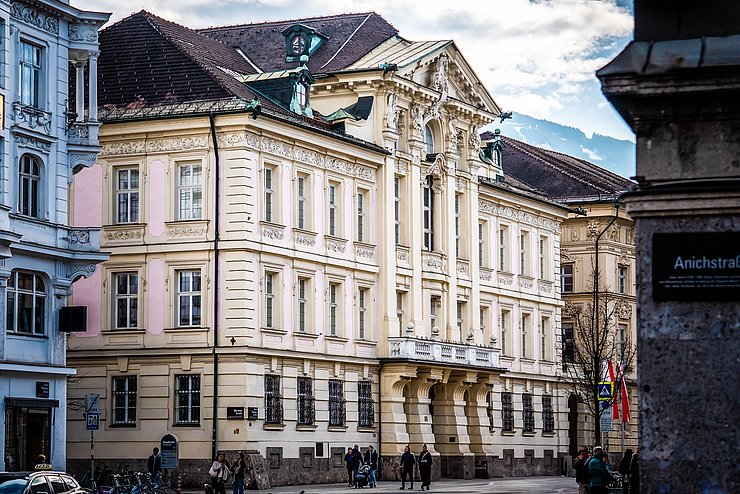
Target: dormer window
x,y
301,91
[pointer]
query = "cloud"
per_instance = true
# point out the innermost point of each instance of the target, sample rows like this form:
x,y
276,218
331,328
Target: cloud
x,y
592,155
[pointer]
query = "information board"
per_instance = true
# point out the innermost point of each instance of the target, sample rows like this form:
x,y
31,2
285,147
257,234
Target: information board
x,y
169,451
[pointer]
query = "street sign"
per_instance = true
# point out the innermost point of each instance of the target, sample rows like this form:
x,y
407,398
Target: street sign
x,y
93,421
605,391
605,419
92,403
169,451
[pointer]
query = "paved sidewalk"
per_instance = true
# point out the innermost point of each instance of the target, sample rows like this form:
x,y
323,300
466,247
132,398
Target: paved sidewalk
x,y
517,485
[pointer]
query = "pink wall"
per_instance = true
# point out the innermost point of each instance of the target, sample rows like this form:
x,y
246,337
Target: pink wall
x,y
156,199
88,197
155,291
88,291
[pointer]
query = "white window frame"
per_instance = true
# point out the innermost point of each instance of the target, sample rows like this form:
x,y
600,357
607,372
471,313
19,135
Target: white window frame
x,y
303,205
622,276
428,213
525,319
191,193
567,273
194,297
397,209
482,253
363,313
433,299
505,330
544,340
30,190
400,296
503,258
270,297
131,298
360,198
38,299
544,258
130,195
333,207
335,302
270,183
524,253
123,392
31,77
303,297
458,225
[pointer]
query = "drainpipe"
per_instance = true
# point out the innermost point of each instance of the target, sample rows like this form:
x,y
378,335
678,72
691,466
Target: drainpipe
x,y
597,365
217,188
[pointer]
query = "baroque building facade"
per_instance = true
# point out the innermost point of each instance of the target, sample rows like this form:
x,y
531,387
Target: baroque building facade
x,y
45,48
302,263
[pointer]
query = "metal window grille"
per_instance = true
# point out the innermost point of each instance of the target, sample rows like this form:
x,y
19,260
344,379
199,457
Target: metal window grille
x,y
397,208
428,214
548,419
337,403
365,404
301,200
26,303
268,194
28,186
273,400
306,405
507,412
124,400
360,217
528,412
189,297
566,278
187,399
489,409
127,299
127,195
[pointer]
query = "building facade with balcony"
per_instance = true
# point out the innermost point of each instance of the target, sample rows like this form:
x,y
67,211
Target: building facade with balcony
x,y
349,267
43,144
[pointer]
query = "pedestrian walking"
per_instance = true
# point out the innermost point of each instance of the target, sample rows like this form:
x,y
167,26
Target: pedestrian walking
x,y
425,467
356,461
219,473
624,470
407,467
154,466
600,476
371,458
240,468
348,461
580,465
635,474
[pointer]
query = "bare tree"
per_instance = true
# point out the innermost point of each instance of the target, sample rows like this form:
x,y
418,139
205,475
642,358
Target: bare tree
x,y
596,339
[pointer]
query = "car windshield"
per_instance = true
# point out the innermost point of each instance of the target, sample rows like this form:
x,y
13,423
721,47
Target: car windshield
x,y
12,485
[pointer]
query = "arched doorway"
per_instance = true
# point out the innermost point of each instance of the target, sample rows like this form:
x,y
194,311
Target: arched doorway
x,y
573,425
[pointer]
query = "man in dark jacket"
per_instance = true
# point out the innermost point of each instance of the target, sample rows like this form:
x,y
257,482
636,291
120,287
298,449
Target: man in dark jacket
x,y
154,465
581,467
371,458
407,467
600,476
425,467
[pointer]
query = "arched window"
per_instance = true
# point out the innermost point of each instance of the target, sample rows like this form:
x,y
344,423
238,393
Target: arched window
x,y
28,186
428,140
26,311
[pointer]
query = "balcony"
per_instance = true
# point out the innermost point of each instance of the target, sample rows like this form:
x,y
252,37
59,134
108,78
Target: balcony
x,y
83,134
459,354
79,239
32,118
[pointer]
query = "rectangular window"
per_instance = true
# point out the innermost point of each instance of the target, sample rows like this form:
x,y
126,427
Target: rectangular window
x,y
397,208
457,225
31,75
548,418
543,258
333,308
504,331
503,233
360,217
362,300
124,400
333,228
273,400
507,412
525,335
460,319
434,302
489,409
269,193
337,403
481,245
569,349
399,311
523,253
566,278
26,303
622,340
303,304
365,404
544,342
127,195
187,399
482,314
126,300
269,290
622,279
527,412
428,213
301,202
189,298
304,397
190,191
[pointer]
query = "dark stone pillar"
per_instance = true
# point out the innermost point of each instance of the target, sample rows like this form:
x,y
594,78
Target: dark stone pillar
x,y
680,93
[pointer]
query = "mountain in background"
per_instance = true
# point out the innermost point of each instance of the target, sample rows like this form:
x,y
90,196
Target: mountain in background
x,y
615,155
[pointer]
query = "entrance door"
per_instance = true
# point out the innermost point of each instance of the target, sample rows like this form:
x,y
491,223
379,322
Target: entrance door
x,y
573,425
27,435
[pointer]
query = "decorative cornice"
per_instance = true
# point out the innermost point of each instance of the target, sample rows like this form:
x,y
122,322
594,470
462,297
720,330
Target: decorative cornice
x,y
31,16
32,142
517,215
133,234
82,32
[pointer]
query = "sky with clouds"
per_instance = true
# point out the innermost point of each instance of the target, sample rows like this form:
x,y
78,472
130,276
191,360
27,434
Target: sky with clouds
x,y
536,57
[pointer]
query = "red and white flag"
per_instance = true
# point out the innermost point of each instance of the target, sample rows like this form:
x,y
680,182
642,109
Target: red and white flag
x,y
625,397
615,404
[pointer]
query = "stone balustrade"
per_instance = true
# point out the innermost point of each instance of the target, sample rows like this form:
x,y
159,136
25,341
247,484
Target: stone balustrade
x,y
432,350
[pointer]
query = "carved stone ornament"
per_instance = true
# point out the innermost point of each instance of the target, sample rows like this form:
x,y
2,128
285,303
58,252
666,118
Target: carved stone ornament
x,y
417,117
272,232
593,229
391,113
29,15
81,32
565,255
452,127
338,246
402,255
32,142
526,282
505,211
401,167
614,233
303,239
474,138
365,252
74,271
546,286
623,309
186,231
463,268
505,279
440,83
631,236
572,310
485,275
85,159
32,117
575,234
81,237
123,235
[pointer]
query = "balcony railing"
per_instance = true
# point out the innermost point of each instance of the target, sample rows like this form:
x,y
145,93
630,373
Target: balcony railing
x,y
422,349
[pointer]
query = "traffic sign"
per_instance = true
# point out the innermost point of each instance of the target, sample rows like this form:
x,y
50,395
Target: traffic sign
x,y
605,391
92,403
93,421
605,419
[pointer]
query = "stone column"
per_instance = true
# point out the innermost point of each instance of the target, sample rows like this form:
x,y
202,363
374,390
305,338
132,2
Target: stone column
x,y
394,434
92,110
476,410
418,417
451,428
678,86
79,89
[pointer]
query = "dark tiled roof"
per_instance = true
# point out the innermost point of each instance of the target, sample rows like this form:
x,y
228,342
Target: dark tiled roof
x,y
264,43
559,176
147,60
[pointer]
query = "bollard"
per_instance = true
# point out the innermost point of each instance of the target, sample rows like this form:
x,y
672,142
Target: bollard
x,y
179,484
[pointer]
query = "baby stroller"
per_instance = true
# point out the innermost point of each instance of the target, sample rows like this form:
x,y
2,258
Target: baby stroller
x,y
362,477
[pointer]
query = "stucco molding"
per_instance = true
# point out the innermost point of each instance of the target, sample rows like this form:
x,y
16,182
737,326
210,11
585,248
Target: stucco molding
x,y
32,142
75,271
522,216
81,32
29,15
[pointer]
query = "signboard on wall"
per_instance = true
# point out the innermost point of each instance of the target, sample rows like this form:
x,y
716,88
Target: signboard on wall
x,y
696,267
235,413
169,451
42,389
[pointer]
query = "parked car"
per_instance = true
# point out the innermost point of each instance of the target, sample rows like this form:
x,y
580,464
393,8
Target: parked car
x,y
44,482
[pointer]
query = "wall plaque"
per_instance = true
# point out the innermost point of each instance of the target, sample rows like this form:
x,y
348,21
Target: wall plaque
x,y
235,413
701,267
42,389
253,413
